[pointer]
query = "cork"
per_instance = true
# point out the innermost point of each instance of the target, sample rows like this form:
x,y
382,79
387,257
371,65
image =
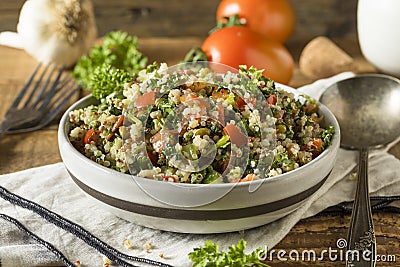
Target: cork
x,y
322,58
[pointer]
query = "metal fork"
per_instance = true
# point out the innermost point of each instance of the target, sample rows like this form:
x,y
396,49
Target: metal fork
x,y
39,101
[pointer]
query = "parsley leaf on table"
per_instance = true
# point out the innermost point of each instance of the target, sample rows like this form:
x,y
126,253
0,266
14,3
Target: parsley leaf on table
x,y
210,256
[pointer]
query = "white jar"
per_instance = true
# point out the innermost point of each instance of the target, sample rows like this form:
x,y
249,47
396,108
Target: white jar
x,y
378,25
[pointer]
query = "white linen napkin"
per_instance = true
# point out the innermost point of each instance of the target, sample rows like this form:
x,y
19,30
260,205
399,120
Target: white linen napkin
x,y
51,187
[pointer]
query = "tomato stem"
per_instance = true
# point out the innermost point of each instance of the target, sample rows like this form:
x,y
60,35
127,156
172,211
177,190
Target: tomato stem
x,y
195,54
230,21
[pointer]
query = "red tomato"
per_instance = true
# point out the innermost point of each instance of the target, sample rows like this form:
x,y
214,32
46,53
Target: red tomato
x,y
273,18
238,45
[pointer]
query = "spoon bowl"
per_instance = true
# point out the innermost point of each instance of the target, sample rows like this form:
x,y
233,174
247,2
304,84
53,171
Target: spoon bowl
x,y
367,108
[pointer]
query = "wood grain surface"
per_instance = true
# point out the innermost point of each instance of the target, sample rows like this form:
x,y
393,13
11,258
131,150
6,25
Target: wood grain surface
x,y
22,151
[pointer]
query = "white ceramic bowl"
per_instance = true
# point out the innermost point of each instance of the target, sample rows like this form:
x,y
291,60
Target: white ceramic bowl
x,y
243,206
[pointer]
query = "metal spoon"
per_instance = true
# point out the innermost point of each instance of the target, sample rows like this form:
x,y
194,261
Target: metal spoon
x,y
367,108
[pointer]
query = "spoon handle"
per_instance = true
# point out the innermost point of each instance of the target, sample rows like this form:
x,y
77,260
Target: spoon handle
x,y
361,247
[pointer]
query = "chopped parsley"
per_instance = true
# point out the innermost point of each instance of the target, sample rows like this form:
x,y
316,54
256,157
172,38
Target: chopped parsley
x,y
210,256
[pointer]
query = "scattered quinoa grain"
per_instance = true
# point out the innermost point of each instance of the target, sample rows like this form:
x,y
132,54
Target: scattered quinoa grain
x,y
106,261
127,244
147,246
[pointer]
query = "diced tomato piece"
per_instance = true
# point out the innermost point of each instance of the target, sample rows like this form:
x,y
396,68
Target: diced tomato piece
x,y
118,123
201,102
158,142
152,156
155,138
315,146
272,99
316,143
224,165
221,114
90,136
115,127
217,94
240,103
249,177
169,178
146,99
235,135
253,101
187,95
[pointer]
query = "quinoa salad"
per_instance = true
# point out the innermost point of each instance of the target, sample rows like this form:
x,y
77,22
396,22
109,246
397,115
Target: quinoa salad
x,y
199,127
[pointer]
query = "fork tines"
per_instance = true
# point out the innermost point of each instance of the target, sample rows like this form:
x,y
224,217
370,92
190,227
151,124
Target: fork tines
x,y
48,90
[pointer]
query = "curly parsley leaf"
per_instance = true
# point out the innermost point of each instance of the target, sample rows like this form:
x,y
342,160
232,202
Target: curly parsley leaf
x,y
106,80
118,49
210,256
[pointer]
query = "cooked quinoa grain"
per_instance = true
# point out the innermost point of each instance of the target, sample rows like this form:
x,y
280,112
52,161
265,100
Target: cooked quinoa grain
x,y
201,127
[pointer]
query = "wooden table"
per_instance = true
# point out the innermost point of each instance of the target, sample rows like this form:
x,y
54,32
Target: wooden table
x,y
22,151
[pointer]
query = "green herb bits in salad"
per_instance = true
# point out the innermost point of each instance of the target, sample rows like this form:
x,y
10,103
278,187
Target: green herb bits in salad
x,y
197,124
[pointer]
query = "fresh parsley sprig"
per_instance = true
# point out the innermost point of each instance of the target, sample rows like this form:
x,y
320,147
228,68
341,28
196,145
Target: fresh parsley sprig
x,y
118,50
210,256
106,80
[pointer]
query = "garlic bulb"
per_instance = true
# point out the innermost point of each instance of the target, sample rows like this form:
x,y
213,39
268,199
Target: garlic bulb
x,y
57,31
